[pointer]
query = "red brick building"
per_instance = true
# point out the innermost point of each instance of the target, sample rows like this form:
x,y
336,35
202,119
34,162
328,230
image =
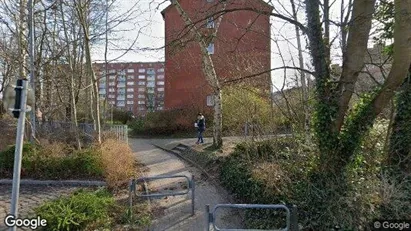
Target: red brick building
x,y
136,87
241,48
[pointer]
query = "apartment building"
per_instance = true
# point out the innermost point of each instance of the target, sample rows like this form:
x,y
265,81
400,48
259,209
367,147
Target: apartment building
x,y
242,48
135,87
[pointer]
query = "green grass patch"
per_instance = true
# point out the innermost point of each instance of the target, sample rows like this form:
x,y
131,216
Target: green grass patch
x,y
91,210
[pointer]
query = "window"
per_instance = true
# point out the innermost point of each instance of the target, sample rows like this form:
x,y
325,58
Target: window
x,y
130,77
160,83
160,89
111,90
112,84
151,71
150,84
210,22
112,71
141,102
130,89
121,103
210,100
141,77
141,83
130,96
150,90
141,89
130,102
160,76
210,48
130,70
130,83
141,96
141,70
151,78
112,102
160,108
102,91
111,96
112,77
161,70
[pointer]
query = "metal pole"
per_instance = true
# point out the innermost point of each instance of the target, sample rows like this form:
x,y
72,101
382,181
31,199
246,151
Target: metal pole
x,y
193,189
18,154
207,213
30,6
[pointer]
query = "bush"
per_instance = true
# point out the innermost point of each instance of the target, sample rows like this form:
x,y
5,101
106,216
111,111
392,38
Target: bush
x,y
170,122
118,163
285,171
81,211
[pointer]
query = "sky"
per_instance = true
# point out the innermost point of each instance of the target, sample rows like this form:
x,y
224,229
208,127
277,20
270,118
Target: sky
x,y
148,31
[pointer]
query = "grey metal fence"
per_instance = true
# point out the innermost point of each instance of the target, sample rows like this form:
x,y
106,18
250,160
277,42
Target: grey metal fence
x,y
190,187
291,215
85,129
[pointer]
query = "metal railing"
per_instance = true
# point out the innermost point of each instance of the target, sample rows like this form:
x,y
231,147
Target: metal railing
x,y
190,187
291,215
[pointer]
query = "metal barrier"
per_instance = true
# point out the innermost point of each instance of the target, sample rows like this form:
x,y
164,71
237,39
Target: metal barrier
x,y
190,183
291,216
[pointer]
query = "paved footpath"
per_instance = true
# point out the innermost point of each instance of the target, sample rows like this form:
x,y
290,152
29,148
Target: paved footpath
x,y
30,197
177,209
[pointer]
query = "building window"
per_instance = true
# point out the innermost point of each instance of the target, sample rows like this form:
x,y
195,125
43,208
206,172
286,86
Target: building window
x,y
160,89
130,102
141,102
151,78
150,84
111,96
130,96
130,83
161,70
160,83
159,108
210,100
111,90
141,96
112,71
160,76
130,89
141,83
130,70
141,77
130,76
210,22
210,48
121,103
141,70
112,102
141,89
112,77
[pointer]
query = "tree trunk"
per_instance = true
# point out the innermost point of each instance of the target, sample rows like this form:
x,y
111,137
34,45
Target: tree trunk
x,y
72,84
400,141
304,90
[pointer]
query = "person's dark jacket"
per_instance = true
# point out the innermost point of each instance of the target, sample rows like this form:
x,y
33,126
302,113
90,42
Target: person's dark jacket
x,y
201,123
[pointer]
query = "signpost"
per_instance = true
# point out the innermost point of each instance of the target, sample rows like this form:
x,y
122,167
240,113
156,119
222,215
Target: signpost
x,y
19,111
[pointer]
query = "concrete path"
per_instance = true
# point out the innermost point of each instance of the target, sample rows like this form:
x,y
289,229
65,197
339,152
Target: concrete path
x,y
177,209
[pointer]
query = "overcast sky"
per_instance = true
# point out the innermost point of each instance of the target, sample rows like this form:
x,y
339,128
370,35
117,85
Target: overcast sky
x,y
149,29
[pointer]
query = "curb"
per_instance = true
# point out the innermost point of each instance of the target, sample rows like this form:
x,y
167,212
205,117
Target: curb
x,y
55,182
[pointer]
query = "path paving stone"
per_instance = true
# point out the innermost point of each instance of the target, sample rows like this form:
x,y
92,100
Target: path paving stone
x,y
31,196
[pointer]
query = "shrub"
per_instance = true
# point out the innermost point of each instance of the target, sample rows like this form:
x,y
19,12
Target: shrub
x,y
80,211
170,122
118,163
285,171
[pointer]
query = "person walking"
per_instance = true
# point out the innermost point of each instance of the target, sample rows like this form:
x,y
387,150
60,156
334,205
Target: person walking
x,y
200,124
